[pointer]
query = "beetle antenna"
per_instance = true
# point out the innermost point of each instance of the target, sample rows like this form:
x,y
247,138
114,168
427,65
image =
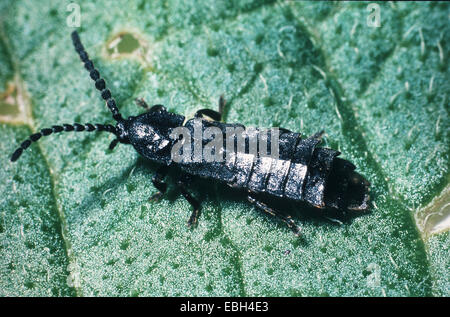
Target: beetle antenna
x,y
95,75
62,128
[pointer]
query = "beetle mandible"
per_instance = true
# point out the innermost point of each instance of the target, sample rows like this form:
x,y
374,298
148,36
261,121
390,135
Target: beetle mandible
x,y
303,171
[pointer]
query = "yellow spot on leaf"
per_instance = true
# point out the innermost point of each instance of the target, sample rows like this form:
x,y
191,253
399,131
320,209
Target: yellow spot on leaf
x,y
435,217
14,104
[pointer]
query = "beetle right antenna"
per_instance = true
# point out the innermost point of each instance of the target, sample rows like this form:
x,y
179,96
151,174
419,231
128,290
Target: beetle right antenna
x,y
95,75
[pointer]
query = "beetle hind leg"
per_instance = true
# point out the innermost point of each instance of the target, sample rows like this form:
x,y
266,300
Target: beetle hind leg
x,y
182,183
285,218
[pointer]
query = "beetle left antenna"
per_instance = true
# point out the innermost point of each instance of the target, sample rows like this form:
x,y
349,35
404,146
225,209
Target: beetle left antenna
x,y
64,128
95,75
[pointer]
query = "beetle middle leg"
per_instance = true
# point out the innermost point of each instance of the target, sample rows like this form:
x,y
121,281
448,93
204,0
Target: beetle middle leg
x,y
184,181
264,207
158,182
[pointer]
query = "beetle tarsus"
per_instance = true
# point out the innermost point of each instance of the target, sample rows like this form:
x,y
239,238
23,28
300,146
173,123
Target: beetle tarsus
x,y
182,183
285,218
156,197
193,219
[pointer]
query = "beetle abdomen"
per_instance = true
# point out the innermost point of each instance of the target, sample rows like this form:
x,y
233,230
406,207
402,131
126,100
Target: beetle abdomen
x,y
301,172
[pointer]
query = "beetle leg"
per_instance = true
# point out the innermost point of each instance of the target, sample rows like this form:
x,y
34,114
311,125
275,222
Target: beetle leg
x,y
182,183
113,144
141,103
158,182
215,115
264,207
319,135
222,103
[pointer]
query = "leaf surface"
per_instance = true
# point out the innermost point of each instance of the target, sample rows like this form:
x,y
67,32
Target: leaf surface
x,y
381,94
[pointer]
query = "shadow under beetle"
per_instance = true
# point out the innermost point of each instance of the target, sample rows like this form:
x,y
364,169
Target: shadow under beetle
x,y
303,171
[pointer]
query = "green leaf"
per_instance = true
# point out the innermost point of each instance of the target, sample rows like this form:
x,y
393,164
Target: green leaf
x,y
76,219
34,260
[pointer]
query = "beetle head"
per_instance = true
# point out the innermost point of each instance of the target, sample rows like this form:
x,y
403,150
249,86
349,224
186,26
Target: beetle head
x,y
149,133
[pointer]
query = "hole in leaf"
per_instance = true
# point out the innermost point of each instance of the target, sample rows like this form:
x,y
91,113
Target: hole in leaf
x,y
124,43
127,44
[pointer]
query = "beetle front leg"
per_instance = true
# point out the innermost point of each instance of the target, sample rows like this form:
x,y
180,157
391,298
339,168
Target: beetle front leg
x,y
264,207
216,116
182,183
158,182
141,103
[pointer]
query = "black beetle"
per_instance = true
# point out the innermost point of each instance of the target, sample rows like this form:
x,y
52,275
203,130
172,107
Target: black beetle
x,y
302,171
